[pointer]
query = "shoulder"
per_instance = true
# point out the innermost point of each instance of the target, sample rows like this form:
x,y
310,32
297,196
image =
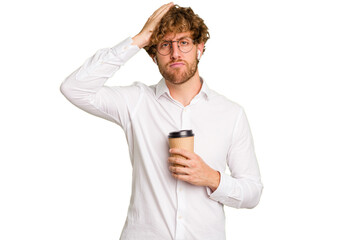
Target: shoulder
x,y
223,102
135,89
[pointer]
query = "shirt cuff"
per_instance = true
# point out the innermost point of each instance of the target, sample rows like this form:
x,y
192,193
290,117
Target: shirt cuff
x,y
125,50
224,189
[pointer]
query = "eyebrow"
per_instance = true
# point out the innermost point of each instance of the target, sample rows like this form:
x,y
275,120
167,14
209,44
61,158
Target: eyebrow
x,y
164,40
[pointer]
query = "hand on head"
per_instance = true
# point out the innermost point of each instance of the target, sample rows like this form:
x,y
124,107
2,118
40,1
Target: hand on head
x,y
142,39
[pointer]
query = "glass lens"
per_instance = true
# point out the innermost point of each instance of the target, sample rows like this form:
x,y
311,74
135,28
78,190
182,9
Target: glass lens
x,y
185,45
164,47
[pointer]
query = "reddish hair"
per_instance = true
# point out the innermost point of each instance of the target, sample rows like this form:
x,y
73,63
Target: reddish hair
x,y
177,20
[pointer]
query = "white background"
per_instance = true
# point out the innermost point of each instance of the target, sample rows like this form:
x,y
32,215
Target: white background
x,y
293,66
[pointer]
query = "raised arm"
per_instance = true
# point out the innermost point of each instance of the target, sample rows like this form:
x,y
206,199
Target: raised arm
x,y
85,86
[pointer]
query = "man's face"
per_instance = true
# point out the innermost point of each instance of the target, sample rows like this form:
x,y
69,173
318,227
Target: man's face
x,y
178,67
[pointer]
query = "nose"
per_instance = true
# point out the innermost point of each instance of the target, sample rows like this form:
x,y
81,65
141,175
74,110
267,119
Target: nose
x,y
175,51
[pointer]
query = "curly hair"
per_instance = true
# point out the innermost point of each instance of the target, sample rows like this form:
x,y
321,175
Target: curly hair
x,y
177,20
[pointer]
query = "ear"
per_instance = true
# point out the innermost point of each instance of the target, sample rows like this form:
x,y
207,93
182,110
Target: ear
x,y
154,59
200,50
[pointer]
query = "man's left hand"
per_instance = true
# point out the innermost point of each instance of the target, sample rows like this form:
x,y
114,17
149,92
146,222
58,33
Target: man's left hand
x,y
193,169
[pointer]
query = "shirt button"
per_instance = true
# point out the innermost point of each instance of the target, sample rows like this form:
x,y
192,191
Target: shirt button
x,y
180,217
180,189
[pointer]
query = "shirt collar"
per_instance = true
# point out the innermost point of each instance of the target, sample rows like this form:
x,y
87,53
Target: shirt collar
x,y
161,88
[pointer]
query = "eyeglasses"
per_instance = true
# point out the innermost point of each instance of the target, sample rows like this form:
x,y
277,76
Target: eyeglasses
x,y
185,45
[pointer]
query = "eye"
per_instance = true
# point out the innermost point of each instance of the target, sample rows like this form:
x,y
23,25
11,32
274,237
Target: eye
x,y
164,44
184,43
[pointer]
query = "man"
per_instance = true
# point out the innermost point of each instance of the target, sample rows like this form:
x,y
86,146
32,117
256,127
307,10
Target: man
x,y
168,202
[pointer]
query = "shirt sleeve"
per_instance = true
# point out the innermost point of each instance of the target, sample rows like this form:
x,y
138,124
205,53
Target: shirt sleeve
x,y
85,86
243,188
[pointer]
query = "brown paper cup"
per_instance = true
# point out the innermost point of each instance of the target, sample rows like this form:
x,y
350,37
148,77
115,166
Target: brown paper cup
x,y
182,139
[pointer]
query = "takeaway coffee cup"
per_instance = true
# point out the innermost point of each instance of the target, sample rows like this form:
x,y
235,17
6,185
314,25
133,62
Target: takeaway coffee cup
x,y
183,139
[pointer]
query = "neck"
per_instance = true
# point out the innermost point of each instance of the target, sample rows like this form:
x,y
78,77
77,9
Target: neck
x,y
185,92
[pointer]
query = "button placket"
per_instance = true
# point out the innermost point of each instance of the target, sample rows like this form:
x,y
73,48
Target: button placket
x,y
180,190
185,118
180,214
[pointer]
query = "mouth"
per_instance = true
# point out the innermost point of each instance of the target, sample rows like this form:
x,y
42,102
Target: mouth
x,y
177,64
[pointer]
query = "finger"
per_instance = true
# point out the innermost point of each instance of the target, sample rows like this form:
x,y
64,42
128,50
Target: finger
x,y
182,152
179,170
157,11
162,10
185,178
156,17
175,160
159,15
165,7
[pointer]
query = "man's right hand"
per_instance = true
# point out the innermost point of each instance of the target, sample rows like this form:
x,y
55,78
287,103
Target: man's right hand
x,y
142,39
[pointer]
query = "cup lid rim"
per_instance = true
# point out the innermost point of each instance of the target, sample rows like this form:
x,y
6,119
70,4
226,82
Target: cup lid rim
x,y
181,133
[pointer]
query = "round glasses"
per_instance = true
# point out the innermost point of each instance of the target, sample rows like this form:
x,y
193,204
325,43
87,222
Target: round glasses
x,y
185,45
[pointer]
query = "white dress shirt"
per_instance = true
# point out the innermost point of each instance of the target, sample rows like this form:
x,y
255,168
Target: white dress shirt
x,y
161,207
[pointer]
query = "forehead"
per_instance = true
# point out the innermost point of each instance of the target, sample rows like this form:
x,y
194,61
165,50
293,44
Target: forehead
x,y
176,36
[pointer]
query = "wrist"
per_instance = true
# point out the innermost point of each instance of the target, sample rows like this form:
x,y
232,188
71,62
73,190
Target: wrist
x,y
140,40
215,181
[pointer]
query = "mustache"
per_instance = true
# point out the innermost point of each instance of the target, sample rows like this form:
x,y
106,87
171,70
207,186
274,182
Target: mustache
x,y
178,61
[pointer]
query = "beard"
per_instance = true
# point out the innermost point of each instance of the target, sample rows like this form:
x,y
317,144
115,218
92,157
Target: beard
x,y
178,75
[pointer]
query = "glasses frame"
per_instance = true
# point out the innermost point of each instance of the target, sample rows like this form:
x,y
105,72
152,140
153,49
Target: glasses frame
x,y
178,45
